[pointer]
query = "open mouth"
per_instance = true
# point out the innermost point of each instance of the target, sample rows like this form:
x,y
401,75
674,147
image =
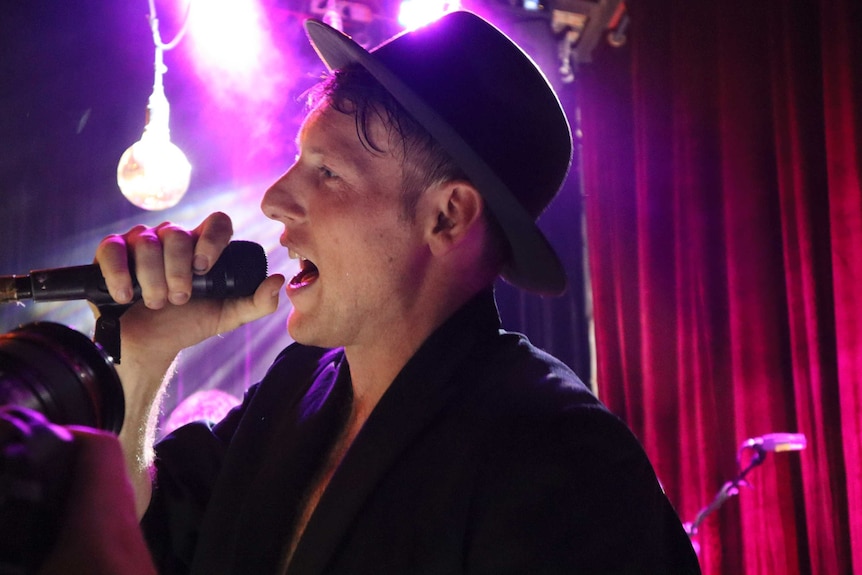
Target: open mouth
x,y
307,273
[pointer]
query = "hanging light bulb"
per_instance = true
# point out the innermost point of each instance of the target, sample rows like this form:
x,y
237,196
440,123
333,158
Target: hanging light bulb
x,y
154,173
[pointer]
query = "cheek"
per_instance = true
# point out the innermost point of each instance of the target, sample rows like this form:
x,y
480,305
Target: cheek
x,y
367,237
371,259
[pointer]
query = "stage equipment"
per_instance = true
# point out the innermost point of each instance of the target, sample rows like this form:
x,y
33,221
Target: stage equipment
x,y
760,446
50,375
59,372
580,24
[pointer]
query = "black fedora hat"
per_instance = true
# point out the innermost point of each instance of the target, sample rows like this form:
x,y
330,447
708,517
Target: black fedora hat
x,y
487,103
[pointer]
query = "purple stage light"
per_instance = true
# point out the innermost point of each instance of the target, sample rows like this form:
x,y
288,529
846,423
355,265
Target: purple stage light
x,y
415,13
206,405
235,53
246,71
228,36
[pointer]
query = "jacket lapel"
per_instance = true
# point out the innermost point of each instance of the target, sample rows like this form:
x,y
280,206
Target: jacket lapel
x,y
425,385
256,502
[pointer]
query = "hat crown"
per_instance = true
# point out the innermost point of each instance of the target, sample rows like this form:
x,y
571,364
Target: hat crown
x,y
463,68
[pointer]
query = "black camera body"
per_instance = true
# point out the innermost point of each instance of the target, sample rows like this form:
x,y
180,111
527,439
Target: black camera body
x,y
50,376
59,372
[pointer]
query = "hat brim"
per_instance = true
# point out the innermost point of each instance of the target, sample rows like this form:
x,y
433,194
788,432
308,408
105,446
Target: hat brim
x,y
534,266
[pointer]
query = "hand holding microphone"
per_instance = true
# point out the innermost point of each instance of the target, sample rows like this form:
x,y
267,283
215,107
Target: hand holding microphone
x,y
164,261
238,271
189,285
166,267
162,258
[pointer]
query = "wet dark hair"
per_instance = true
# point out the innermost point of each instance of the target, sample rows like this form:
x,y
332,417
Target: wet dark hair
x,y
354,91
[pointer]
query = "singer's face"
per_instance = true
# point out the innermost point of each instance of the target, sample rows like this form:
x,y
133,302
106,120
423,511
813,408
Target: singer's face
x,y
342,210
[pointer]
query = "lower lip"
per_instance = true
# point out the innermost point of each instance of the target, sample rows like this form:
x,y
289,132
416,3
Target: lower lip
x,y
297,287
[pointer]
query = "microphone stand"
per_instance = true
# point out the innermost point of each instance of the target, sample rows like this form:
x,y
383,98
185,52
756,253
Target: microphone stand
x,y
727,490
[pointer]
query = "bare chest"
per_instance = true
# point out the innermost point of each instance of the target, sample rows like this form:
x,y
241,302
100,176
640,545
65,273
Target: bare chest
x,y
318,487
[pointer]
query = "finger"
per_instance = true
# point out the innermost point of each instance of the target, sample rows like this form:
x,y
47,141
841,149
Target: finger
x,y
178,250
112,255
149,267
213,234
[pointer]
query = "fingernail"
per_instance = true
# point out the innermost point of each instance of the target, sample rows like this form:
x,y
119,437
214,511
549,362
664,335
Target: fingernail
x,y
178,297
124,295
200,263
155,303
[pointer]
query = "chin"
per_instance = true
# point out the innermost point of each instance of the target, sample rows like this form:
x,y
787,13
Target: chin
x,y
293,329
301,332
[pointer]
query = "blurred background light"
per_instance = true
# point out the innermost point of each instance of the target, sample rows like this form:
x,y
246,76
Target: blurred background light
x,y
415,13
229,36
233,49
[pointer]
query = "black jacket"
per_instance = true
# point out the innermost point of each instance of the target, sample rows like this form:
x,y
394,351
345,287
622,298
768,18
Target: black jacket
x,y
485,455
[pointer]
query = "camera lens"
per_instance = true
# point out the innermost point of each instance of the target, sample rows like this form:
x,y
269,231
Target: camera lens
x,y
59,372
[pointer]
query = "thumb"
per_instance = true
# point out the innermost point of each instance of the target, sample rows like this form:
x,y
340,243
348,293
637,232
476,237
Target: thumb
x,y
240,311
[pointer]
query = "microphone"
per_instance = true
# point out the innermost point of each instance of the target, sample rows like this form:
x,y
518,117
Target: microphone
x,y
238,271
778,442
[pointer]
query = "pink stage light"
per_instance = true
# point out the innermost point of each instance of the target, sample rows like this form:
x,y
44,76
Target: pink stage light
x,y
415,13
227,35
238,52
234,52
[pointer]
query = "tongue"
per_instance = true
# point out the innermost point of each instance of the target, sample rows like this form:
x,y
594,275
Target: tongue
x,y
307,274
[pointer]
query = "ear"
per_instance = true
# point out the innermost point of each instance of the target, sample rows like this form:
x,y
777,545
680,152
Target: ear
x,y
457,208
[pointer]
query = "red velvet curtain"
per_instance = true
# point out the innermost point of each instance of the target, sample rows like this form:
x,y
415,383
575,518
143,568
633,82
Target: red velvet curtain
x,y
722,161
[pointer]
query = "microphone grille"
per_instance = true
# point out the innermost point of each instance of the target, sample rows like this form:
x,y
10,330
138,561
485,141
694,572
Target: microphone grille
x,y
240,269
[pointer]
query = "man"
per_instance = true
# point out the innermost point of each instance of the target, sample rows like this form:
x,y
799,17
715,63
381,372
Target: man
x,y
403,432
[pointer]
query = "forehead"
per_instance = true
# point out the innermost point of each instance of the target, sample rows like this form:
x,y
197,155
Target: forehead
x,y
327,130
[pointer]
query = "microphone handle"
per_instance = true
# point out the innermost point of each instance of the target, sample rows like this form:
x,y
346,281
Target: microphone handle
x,y
238,272
86,282
71,283
14,288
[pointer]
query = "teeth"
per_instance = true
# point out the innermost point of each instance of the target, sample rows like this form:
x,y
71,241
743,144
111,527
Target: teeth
x,y
295,256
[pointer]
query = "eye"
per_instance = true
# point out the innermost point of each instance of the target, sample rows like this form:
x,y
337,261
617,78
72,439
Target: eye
x,y
326,173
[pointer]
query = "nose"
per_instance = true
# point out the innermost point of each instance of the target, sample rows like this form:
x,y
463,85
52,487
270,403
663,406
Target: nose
x,y
280,202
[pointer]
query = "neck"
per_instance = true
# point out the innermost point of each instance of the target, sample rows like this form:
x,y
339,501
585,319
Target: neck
x,y
375,365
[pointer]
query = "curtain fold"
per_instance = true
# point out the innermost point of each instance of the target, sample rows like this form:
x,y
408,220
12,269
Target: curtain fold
x,y
724,221
842,79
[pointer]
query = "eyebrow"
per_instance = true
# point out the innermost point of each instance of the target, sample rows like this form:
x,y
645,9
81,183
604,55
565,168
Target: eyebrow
x,y
349,149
